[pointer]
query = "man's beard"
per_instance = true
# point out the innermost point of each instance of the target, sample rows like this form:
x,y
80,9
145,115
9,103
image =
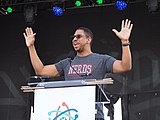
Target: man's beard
x,y
79,50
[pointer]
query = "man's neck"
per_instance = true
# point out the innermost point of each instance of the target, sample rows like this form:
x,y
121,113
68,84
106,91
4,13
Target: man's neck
x,y
84,53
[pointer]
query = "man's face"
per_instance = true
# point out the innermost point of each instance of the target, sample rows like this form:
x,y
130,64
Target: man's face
x,y
79,40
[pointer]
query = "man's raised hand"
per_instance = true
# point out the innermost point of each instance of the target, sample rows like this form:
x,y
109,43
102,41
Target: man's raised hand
x,y
126,28
29,36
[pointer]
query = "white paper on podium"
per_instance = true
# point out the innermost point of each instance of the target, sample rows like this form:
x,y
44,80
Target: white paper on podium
x,y
70,103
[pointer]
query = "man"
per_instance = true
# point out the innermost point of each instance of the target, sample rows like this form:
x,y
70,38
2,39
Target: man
x,y
86,63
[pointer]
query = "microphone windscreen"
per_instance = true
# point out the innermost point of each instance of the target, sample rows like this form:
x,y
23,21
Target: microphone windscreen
x,y
72,55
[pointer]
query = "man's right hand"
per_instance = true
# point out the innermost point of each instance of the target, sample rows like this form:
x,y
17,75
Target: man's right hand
x,y
29,37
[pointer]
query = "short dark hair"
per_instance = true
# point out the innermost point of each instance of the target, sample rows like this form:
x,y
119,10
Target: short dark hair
x,y
87,31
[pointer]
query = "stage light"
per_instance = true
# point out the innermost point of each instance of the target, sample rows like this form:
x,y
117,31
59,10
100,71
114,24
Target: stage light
x,y
57,11
3,11
78,3
9,10
152,5
99,2
6,11
121,5
30,12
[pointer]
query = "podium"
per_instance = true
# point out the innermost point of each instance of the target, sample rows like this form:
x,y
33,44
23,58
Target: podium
x,y
64,100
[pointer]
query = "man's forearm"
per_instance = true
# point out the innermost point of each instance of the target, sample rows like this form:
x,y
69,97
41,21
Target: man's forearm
x,y
126,58
36,62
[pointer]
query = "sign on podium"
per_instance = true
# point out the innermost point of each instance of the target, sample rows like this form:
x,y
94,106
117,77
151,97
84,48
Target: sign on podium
x,y
68,103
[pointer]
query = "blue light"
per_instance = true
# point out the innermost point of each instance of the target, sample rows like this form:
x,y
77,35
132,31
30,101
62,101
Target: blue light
x,y
57,11
121,5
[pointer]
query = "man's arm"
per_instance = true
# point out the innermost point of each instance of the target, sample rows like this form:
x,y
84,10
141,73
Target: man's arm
x,y
126,63
40,69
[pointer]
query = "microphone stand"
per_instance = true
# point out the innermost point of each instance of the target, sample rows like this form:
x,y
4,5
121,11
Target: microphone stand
x,y
99,105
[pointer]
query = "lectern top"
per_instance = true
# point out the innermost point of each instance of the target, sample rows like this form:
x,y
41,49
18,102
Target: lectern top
x,y
71,83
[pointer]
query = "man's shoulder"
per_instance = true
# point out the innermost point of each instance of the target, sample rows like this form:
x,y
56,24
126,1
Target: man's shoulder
x,y
100,55
64,60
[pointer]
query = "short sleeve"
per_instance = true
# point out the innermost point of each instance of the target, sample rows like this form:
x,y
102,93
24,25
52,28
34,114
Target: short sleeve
x,y
108,62
61,65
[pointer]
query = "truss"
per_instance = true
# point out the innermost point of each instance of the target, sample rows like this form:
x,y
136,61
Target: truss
x,y
41,5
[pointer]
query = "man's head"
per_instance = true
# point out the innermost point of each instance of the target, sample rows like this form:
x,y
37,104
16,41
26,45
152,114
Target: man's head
x,y
87,31
82,39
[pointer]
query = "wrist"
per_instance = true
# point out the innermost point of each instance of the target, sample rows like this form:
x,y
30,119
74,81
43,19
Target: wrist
x,y
125,41
126,44
30,47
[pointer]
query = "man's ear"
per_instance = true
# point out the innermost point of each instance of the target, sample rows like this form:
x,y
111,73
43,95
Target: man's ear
x,y
89,40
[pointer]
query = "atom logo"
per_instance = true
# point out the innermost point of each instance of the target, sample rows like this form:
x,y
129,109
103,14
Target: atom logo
x,y
63,118
63,113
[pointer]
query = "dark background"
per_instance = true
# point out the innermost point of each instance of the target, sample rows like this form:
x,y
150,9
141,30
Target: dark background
x,y
141,86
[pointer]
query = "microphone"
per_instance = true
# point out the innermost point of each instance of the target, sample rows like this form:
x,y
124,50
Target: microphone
x,y
71,55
